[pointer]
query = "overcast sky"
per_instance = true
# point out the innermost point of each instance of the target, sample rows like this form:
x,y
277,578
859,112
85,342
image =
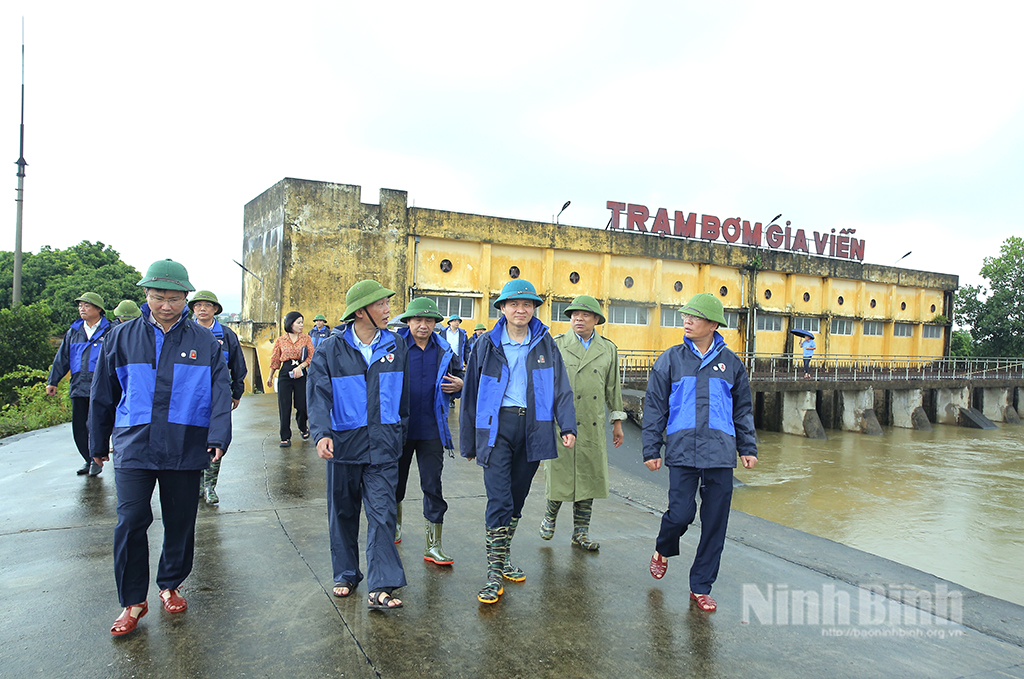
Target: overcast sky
x,y
149,126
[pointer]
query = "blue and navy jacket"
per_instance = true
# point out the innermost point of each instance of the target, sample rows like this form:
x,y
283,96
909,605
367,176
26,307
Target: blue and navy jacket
x,y
463,344
232,350
548,395
700,409
448,363
161,398
319,335
78,354
364,409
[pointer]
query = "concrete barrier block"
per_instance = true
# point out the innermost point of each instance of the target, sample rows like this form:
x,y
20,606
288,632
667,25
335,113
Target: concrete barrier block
x,y
869,423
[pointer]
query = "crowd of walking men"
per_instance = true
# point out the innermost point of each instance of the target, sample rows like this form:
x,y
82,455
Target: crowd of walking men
x,y
156,392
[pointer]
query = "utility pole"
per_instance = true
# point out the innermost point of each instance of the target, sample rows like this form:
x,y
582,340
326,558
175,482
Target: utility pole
x,y
16,292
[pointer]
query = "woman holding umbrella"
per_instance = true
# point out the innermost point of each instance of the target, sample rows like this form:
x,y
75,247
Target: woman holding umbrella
x,y
807,342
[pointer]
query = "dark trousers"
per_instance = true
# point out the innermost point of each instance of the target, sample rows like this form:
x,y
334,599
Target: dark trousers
x,y
508,474
430,460
374,485
715,487
179,501
80,425
807,365
289,390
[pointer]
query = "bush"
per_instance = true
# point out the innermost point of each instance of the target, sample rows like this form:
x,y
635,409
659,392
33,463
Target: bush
x,y
32,409
24,341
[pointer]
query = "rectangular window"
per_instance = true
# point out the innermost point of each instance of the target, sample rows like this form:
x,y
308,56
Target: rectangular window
x,y
769,323
873,328
627,315
491,311
902,330
670,317
808,324
558,311
842,326
931,331
732,320
463,306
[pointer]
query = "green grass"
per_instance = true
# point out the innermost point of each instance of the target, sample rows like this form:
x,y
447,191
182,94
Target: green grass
x,y
31,408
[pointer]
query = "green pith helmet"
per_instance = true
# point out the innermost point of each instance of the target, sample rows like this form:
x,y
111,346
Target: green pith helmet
x,y
320,317
585,303
127,309
91,298
518,289
480,326
166,274
705,305
454,317
205,296
422,307
363,294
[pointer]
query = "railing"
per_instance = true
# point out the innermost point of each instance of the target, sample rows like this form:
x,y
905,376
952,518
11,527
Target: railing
x,y
635,365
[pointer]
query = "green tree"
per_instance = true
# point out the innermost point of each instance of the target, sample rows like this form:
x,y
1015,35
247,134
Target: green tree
x,y
24,343
57,277
961,344
995,312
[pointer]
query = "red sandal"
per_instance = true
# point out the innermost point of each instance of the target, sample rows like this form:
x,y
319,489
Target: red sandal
x,y
173,602
126,622
704,602
658,567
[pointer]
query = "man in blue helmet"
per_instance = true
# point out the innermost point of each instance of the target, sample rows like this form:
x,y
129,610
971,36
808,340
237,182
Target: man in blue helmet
x,y
78,353
358,396
698,406
161,394
515,390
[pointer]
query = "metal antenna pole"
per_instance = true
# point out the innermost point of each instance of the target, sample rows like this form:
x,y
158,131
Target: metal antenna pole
x,y
16,292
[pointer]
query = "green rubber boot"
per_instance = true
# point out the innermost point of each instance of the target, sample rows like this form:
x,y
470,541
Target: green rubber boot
x,y
510,572
398,524
210,483
547,524
433,551
581,512
496,543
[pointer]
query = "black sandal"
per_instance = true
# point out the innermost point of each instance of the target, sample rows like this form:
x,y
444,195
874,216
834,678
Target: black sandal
x,y
346,585
381,601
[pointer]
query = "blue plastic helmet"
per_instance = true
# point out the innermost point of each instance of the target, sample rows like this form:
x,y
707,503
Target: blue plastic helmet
x,y
518,289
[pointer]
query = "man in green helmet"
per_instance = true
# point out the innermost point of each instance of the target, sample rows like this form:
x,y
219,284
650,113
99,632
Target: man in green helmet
x,y
319,332
580,474
205,309
161,394
358,398
126,310
77,354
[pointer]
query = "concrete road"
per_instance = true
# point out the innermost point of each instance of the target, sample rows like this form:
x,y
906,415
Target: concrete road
x,y
260,604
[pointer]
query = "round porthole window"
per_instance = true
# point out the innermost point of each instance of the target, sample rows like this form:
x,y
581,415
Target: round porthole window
x,y
574,278
723,291
807,297
678,286
872,304
933,308
446,265
513,272
840,300
903,306
767,294
628,282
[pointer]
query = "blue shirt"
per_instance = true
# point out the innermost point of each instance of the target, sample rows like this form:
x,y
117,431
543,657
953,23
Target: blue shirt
x,y
585,342
422,373
366,349
809,348
515,354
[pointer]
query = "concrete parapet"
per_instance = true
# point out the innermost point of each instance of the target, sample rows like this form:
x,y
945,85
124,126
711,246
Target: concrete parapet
x,y
904,403
633,404
948,403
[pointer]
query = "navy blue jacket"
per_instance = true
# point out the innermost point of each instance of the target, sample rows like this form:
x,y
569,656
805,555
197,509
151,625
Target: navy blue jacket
x,y
364,409
448,363
232,350
164,398
548,395
319,335
463,344
79,354
701,405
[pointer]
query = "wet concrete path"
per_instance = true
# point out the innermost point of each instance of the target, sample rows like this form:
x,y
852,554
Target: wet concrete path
x,y
260,603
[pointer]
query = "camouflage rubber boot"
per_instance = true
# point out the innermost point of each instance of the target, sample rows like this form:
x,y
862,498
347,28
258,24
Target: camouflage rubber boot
x,y
547,524
433,552
210,483
497,543
513,573
581,512
398,524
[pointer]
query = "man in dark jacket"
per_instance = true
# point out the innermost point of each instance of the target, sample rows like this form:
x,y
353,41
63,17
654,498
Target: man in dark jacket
x,y
515,390
161,395
206,308
78,353
435,377
358,397
698,406
319,332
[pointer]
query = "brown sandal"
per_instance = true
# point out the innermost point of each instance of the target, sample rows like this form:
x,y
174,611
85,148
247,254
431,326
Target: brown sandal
x,y
173,602
704,602
126,622
658,567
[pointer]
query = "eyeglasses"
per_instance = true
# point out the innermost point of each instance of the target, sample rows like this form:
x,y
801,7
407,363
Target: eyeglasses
x,y
160,299
689,318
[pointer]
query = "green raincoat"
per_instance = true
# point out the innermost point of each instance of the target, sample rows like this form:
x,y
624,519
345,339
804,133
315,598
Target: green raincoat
x,y
581,473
